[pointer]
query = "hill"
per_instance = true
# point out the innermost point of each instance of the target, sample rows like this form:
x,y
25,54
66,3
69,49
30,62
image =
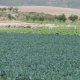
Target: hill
x,y
58,3
50,10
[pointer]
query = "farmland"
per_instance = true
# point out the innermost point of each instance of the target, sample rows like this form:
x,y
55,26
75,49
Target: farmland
x,y
39,46
25,56
63,31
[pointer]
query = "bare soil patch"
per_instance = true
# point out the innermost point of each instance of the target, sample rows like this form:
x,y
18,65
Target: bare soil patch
x,y
50,10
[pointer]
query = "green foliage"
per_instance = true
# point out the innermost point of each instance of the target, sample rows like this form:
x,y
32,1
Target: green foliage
x,y
73,18
22,77
15,9
30,30
3,9
10,17
40,57
45,17
10,8
3,76
33,16
39,17
61,18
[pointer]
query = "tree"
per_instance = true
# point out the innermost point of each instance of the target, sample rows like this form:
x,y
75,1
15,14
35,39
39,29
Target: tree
x,y
4,9
15,9
61,18
10,17
41,18
10,8
73,18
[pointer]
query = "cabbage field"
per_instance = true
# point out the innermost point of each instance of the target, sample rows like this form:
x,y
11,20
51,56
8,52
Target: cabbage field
x,y
25,56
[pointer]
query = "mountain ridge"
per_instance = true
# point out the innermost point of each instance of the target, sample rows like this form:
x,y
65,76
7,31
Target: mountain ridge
x,y
56,3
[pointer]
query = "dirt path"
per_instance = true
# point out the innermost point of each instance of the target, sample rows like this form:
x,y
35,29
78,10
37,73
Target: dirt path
x,y
19,24
24,24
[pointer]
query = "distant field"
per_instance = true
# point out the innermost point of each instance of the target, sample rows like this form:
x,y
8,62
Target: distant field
x,y
38,17
50,10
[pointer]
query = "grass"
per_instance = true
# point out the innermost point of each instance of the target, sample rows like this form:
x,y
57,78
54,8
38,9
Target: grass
x,y
42,30
58,23
66,23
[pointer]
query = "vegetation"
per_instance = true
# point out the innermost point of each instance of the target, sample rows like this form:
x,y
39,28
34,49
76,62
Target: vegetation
x,y
3,75
10,17
33,16
70,31
13,13
73,18
39,17
61,18
41,53
39,57
10,9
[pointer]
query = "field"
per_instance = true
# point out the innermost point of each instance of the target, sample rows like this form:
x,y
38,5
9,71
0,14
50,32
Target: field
x,y
38,46
63,31
25,56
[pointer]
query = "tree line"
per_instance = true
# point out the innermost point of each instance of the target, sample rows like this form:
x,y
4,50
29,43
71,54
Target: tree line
x,y
63,18
46,17
33,16
9,9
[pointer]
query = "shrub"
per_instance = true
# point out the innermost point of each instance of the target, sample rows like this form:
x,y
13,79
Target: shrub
x,y
10,17
73,18
39,17
10,8
61,18
15,9
3,9
28,26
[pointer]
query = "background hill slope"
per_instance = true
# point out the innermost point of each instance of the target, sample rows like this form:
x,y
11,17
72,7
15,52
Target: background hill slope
x,y
50,10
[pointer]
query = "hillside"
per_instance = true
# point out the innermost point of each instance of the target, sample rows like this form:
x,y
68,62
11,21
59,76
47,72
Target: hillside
x,y
50,10
58,3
